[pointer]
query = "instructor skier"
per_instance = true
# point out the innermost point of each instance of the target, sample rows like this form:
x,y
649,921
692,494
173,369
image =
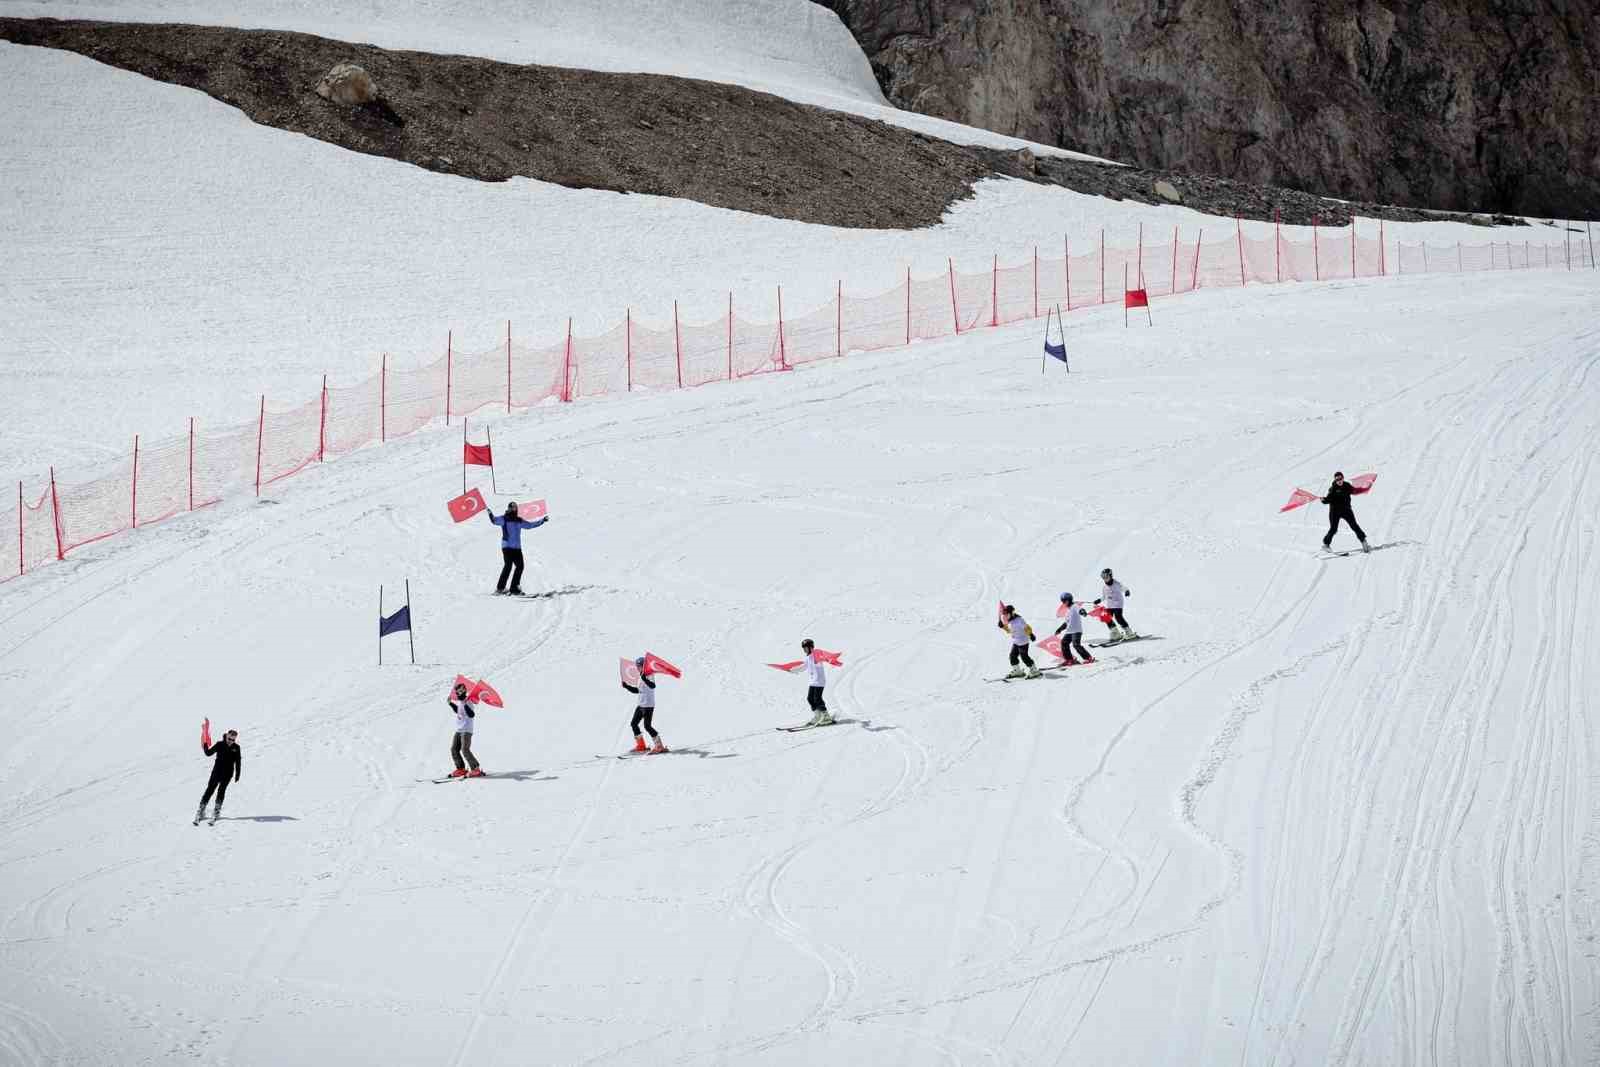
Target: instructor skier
x,y
1338,501
228,761
511,527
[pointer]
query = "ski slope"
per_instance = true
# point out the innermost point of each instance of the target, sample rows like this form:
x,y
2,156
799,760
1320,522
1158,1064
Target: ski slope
x,y
1339,811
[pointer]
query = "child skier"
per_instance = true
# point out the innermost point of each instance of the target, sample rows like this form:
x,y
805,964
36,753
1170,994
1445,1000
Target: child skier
x,y
646,709
1071,632
461,746
1338,501
818,678
1114,594
511,528
1021,637
229,760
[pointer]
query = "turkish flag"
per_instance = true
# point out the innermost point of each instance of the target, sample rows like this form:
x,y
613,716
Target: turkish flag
x,y
1063,611
1299,498
1102,613
1000,615
790,667
466,505
1052,645
479,692
477,455
1135,298
630,672
533,510
1361,483
654,664
828,657
205,733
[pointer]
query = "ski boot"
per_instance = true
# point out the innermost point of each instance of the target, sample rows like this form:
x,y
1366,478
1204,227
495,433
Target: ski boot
x,y
1033,672
499,592
200,814
513,592
216,813
1128,634
1087,659
639,745
1364,546
822,719
1113,637
476,772
659,747
459,772
1015,672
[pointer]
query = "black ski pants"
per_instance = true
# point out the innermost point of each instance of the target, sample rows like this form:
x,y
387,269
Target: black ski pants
x,y
644,715
462,746
1119,618
1333,526
218,786
1071,643
1020,652
814,698
512,568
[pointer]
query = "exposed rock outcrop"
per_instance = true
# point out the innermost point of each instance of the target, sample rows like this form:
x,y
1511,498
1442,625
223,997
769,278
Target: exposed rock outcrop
x,y
1476,107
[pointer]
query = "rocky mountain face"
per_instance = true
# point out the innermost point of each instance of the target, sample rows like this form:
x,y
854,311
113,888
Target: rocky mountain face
x,y
1488,106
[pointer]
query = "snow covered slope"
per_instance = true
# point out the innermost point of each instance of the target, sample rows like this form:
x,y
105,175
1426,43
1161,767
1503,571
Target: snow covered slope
x,y
1339,811
183,261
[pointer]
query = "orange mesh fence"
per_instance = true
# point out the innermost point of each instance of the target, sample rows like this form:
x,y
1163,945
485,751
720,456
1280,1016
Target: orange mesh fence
x,y
188,471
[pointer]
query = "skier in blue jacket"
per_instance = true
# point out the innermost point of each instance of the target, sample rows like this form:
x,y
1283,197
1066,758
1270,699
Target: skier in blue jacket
x,y
511,528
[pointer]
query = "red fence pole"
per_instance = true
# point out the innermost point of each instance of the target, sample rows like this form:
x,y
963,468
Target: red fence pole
x,y
191,462
55,511
677,342
838,319
1316,249
261,424
1102,264
1461,265
955,315
1066,253
1138,275
783,342
22,563
1035,281
1566,236
135,510
1383,257
449,366
629,335
730,335
1352,247
1194,278
1239,230
1174,260
1277,242
383,400
908,304
994,292
566,373
508,366
322,423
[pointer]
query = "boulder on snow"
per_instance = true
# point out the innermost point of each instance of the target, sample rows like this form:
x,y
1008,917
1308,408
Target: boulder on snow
x,y
347,84
1027,161
1167,191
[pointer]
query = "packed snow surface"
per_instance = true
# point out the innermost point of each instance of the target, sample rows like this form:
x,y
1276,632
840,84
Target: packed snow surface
x,y
1328,811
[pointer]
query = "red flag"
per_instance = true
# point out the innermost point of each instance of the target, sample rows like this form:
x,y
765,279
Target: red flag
x,y
1299,498
1135,298
534,509
485,693
630,672
1052,645
1361,483
1062,612
828,657
205,733
654,664
1000,614
466,505
789,667
1101,612
477,456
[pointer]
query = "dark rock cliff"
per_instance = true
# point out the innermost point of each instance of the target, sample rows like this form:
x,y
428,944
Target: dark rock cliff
x,y
1486,106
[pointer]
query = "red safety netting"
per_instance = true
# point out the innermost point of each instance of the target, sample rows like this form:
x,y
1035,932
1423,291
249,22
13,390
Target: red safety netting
x,y
158,479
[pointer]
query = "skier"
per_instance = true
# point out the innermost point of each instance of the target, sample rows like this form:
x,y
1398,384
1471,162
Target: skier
x,y
511,528
229,761
466,714
1071,632
818,678
1114,594
1021,636
646,709
1338,501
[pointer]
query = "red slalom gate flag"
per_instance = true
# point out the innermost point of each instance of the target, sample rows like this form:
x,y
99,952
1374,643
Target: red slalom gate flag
x,y
478,456
1136,298
1361,483
654,664
205,733
1299,498
630,672
466,505
533,510
1052,645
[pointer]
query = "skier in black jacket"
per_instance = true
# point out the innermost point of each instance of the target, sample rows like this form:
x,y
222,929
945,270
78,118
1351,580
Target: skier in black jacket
x,y
229,761
1338,501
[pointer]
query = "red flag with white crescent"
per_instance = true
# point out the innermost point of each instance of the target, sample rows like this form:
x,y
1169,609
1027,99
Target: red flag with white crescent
x,y
466,505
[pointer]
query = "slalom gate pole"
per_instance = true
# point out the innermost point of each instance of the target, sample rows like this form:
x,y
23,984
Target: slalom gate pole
x,y
1352,247
508,366
1277,242
1103,266
955,315
1066,261
908,304
135,511
1194,277
783,342
411,630
1065,364
1174,261
488,435
1588,228
677,342
1035,281
1316,249
628,321
1383,260
191,462
322,423
55,511
994,292
838,318
463,457
261,425
1042,357
383,400
1139,259
1239,230
566,370
22,563
380,625
1124,295
449,367
730,335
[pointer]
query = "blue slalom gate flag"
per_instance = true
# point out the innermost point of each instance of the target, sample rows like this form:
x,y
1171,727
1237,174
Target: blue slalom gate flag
x,y
400,620
1057,350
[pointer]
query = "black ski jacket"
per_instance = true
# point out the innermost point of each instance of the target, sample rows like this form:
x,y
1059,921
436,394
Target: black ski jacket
x,y
1338,499
230,760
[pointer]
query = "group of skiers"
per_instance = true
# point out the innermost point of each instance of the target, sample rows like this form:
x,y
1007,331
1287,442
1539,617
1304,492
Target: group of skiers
x,y
1110,605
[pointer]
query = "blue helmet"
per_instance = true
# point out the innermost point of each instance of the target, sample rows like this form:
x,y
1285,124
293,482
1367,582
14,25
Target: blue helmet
x,y
1066,598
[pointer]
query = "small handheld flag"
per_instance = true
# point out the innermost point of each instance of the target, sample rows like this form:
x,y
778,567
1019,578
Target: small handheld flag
x,y
534,509
466,505
205,734
630,672
791,667
1299,498
654,664
1052,645
479,692
1361,483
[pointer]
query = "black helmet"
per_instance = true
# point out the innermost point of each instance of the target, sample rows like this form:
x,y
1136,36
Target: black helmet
x,y
1105,572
